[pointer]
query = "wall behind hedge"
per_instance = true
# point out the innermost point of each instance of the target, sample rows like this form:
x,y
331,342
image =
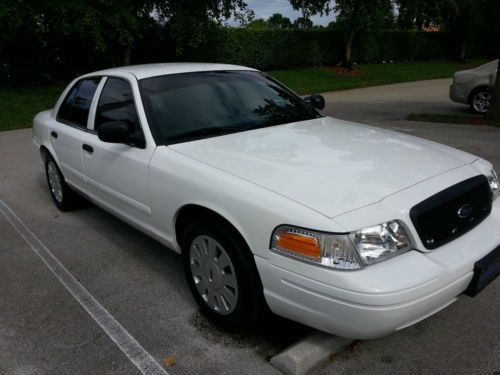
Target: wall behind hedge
x,y
34,60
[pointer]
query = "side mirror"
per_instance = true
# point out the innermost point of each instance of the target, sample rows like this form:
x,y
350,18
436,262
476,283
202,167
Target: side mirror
x,y
115,132
316,100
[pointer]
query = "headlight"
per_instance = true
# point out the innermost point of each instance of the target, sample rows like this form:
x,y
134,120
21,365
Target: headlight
x,y
381,242
349,251
493,181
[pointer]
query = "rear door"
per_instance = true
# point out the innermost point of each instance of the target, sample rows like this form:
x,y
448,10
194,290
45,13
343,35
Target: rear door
x,y
68,132
117,174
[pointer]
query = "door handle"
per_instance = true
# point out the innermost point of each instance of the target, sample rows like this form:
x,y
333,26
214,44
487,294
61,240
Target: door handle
x,y
88,148
53,134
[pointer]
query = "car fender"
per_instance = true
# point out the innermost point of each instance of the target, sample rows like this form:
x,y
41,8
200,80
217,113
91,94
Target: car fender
x,y
177,180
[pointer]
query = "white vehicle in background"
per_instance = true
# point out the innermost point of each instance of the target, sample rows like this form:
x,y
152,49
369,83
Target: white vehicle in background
x,y
351,229
475,86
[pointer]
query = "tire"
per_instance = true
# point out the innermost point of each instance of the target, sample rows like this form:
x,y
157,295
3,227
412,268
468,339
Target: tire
x,y
480,100
222,275
65,198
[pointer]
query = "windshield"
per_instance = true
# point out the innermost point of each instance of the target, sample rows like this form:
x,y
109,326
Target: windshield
x,y
182,107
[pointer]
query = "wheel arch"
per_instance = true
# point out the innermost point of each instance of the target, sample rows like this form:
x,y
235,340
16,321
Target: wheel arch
x,y
48,150
44,151
476,90
188,212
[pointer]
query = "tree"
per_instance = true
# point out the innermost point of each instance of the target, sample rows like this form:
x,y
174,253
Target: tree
x,y
111,27
277,21
417,14
303,23
191,20
353,16
46,30
259,23
464,20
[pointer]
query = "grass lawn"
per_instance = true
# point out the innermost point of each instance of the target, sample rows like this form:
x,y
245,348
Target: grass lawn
x,y
18,105
315,80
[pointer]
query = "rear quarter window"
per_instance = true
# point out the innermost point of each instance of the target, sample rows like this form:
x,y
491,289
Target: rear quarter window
x,y
74,110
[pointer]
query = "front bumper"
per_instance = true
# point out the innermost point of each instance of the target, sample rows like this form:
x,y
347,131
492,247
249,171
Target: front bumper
x,y
381,298
458,93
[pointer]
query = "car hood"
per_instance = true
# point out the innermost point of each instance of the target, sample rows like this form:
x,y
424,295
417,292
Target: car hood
x,y
329,165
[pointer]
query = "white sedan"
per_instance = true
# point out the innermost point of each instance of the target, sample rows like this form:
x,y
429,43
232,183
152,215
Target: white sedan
x,y
347,228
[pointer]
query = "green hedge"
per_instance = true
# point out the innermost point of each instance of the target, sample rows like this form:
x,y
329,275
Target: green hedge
x,y
402,46
282,49
36,60
277,49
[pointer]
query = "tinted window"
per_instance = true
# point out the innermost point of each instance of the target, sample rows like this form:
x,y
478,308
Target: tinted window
x,y
117,104
75,107
195,105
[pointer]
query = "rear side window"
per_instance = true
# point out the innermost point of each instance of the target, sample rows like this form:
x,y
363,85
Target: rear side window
x,y
75,108
117,104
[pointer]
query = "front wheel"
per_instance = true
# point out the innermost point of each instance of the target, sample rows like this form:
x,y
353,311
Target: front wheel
x,y
480,100
222,275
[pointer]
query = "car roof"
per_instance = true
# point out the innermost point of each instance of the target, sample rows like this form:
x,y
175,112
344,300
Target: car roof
x,y
152,70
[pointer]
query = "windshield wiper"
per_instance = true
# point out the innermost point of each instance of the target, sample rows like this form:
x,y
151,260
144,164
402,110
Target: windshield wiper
x,y
206,132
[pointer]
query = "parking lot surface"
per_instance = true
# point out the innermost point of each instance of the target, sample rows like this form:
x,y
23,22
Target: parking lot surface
x,y
140,283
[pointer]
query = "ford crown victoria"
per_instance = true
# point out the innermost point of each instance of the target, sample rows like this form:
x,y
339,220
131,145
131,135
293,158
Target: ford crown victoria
x,y
347,228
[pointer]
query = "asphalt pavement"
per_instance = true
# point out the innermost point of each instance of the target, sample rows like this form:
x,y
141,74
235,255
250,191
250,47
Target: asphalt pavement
x,y
44,329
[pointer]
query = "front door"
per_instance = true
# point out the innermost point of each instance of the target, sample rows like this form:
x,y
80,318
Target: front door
x,y
117,174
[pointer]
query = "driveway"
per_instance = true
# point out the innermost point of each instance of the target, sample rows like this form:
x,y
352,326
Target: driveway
x,y
140,283
380,104
388,106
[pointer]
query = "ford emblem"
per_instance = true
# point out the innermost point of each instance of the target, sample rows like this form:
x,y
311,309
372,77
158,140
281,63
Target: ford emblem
x,y
464,211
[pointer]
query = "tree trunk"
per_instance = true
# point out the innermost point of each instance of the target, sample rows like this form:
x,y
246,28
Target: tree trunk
x,y
127,55
348,50
463,50
494,111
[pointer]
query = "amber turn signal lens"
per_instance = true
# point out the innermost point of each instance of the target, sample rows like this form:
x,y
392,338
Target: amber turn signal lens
x,y
304,245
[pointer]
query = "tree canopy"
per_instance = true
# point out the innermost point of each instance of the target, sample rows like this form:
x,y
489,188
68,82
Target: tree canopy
x,y
352,16
113,26
303,23
277,21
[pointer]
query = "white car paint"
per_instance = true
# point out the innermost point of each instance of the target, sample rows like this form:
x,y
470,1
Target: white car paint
x,y
324,174
301,161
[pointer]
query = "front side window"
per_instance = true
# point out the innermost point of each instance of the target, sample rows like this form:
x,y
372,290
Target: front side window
x,y
187,106
117,104
74,110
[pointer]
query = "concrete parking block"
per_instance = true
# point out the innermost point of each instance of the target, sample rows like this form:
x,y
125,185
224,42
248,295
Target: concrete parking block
x,y
308,353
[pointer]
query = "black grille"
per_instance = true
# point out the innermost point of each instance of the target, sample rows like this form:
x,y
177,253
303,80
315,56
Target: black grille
x,y
452,212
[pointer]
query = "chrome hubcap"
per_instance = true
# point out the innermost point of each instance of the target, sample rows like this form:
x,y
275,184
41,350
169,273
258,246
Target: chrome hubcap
x,y
213,274
54,181
481,101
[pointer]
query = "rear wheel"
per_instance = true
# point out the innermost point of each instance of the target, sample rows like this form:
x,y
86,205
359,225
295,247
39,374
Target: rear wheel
x,y
480,100
64,197
221,274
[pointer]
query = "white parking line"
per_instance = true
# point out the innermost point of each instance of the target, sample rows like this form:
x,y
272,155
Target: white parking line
x,y
127,344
